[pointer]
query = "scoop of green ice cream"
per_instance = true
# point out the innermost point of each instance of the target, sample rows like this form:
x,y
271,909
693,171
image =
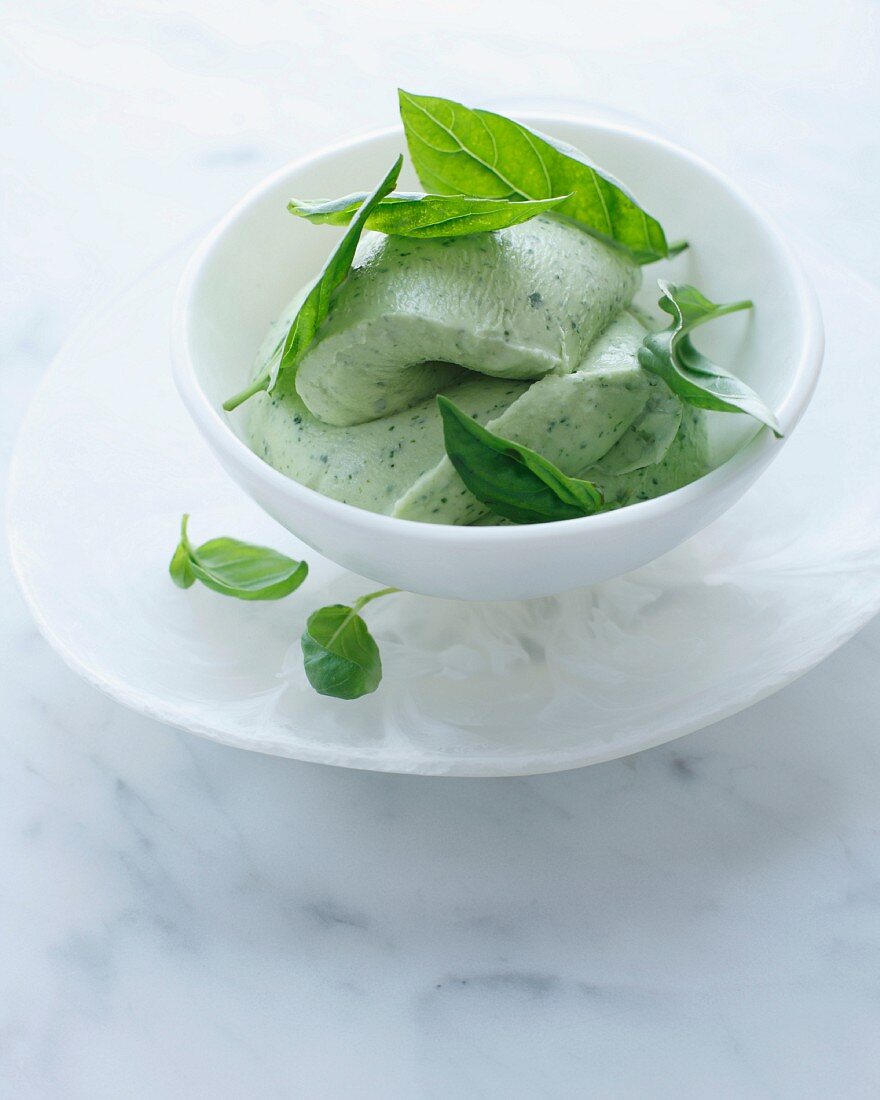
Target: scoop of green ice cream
x,y
571,419
607,420
518,303
369,465
524,329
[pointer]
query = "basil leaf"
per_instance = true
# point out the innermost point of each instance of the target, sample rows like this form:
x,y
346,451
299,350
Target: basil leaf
x,y
686,371
235,568
459,151
316,303
179,566
407,214
340,656
514,481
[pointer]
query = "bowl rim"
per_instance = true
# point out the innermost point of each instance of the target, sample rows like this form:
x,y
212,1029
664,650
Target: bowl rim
x,y
215,426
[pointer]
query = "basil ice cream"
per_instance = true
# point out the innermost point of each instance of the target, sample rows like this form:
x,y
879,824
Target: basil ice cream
x,y
526,329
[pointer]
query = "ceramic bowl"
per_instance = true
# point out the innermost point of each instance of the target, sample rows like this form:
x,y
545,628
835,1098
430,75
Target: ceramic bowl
x,y
254,261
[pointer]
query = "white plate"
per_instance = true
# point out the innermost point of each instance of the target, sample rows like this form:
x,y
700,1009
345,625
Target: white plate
x,y
107,460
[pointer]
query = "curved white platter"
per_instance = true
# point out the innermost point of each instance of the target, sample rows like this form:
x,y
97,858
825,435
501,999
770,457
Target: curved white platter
x,y
107,460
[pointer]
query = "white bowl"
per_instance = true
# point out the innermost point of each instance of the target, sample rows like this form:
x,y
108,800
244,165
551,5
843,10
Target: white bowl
x,y
259,255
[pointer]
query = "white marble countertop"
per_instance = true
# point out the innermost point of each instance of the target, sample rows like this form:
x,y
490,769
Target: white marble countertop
x,y
182,919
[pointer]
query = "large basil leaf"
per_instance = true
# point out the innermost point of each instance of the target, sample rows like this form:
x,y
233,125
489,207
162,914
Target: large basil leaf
x,y
316,303
514,481
459,151
414,215
235,568
686,371
340,656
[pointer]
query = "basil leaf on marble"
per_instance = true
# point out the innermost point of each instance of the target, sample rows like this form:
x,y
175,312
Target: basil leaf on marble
x,y
405,214
671,354
340,656
316,303
459,151
235,568
514,481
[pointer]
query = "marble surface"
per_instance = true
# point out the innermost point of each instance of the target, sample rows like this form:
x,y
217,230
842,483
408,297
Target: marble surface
x,y
182,919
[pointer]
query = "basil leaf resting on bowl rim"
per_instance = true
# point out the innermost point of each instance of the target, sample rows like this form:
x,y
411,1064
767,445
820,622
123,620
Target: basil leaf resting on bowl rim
x,y
460,151
691,375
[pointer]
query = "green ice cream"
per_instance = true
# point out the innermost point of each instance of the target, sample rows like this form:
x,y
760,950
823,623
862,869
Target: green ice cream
x,y
526,329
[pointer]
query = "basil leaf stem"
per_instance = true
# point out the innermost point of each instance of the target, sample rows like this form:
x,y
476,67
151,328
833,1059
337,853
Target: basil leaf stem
x,y
459,151
234,568
414,215
316,304
514,481
340,656
671,354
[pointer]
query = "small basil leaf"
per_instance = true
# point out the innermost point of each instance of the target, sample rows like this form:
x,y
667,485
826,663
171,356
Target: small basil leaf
x,y
179,567
415,215
671,355
459,151
246,571
514,481
235,568
316,303
340,655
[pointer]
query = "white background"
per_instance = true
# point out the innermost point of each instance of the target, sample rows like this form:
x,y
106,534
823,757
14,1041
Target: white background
x,y
181,919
